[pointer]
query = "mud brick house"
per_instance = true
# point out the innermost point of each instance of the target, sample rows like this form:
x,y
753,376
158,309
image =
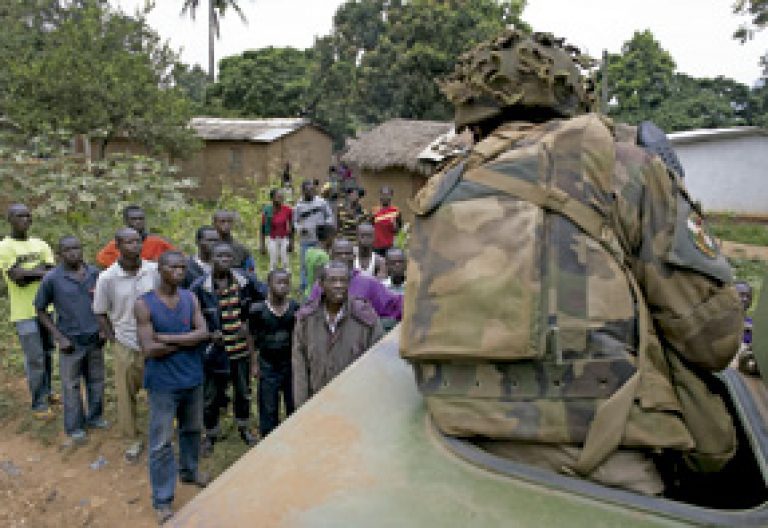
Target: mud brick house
x,y
247,153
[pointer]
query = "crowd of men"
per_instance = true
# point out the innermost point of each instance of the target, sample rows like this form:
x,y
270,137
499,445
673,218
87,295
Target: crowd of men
x,y
194,330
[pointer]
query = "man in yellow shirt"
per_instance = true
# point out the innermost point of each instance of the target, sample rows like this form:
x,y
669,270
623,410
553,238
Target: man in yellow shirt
x,y
24,260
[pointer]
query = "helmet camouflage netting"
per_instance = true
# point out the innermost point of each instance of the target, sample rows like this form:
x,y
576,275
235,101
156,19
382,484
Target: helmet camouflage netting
x,y
519,70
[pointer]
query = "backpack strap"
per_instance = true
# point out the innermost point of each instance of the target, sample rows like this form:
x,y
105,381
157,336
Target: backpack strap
x,y
607,428
608,425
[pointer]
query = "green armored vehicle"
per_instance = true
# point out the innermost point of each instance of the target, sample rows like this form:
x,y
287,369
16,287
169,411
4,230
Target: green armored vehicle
x,y
364,453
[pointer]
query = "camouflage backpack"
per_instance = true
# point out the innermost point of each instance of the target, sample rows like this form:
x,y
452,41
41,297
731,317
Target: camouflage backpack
x,y
521,317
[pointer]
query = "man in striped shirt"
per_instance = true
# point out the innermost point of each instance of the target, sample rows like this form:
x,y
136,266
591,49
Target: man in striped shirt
x,y
225,296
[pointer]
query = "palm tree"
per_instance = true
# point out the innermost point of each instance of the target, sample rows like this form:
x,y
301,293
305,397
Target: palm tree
x,y
216,10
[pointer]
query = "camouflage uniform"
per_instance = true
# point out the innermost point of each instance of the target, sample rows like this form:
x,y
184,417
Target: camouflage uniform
x,y
580,303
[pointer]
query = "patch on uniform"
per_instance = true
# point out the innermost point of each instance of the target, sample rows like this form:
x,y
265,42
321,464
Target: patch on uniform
x,y
699,235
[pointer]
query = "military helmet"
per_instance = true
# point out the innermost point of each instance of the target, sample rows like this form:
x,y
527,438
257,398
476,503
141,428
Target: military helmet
x,y
518,69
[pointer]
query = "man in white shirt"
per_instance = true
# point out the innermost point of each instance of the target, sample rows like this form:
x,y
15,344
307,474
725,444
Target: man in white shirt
x,y
117,289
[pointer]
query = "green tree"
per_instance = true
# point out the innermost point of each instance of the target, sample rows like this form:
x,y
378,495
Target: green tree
x,y
193,83
269,82
399,49
643,84
704,103
216,11
382,58
757,13
640,77
88,69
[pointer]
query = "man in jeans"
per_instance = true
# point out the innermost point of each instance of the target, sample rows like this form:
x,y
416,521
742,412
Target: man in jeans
x,y
117,289
308,213
69,288
24,260
171,329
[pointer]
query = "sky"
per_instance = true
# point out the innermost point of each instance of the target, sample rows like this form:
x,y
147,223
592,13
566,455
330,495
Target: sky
x,y
697,33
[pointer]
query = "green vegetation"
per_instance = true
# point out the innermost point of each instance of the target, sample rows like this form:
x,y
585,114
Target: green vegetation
x,y
69,197
728,228
380,60
756,12
643,84
84,68
264,82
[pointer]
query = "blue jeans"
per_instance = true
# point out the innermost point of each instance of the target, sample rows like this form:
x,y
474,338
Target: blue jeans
x,y
274,378
186,405
303,247
37,350
87,363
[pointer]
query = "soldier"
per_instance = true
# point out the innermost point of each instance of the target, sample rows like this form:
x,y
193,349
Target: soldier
x,y
566,306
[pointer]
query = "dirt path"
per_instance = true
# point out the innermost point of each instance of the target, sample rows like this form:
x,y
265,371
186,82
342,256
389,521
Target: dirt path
x,y
50,486
745,251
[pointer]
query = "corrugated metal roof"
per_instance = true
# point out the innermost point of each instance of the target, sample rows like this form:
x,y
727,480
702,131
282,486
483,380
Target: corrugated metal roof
x,y
256,130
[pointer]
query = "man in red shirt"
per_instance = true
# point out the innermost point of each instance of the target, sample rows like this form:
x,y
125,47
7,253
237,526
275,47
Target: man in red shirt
x,y
152,246
276,224
386,222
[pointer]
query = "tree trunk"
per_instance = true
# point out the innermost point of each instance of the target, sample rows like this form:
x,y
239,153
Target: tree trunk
x,y
211,36
87,150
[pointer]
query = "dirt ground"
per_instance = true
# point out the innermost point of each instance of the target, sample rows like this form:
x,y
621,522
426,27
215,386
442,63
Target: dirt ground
x,y
745,251
44,484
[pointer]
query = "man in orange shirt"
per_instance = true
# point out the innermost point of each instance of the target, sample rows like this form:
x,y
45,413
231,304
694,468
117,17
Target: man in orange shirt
x,y
152,246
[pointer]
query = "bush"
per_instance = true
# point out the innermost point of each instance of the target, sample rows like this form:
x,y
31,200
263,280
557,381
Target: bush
x,y
69,196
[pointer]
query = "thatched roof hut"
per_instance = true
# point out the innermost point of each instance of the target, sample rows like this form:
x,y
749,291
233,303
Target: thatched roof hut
x,y
392,154
395,144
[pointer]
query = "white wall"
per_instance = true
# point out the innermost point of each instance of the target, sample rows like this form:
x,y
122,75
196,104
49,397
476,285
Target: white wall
x,y
727,174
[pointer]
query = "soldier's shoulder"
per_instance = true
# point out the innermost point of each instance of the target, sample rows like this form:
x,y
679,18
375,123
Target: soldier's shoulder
x,y
362,311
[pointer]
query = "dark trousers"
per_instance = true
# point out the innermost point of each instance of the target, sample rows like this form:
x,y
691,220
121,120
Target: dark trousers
x,y
38,348
86,363
216,394
186,406
274,378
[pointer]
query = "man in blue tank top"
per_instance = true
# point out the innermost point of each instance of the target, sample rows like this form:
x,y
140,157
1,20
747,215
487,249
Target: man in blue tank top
x,y
171,331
